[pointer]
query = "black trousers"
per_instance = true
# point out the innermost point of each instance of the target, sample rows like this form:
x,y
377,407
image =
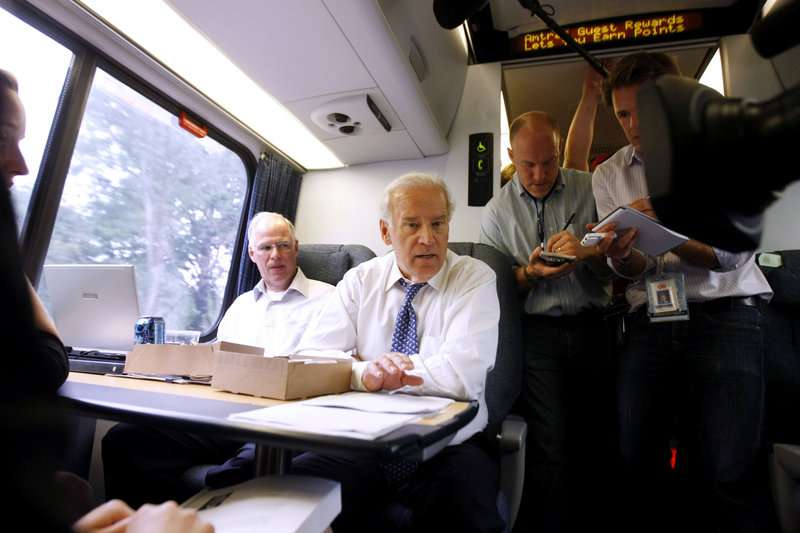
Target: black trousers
x,y
568,393
145,465
456,490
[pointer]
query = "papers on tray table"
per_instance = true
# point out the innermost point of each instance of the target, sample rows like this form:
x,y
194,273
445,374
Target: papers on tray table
x,y
377,402
361,415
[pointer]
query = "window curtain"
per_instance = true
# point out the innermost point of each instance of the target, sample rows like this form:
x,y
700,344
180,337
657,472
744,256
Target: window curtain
x,y
276,188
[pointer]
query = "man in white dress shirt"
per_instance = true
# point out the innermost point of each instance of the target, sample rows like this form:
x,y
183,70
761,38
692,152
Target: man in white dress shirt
x,y
277,311
456,311
145,465
700,378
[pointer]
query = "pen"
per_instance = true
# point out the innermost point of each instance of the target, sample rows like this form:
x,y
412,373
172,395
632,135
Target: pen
x,y
569,221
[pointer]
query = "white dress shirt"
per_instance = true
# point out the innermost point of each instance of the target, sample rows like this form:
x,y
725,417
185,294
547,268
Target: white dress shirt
x,y
619,181
274,320
457,326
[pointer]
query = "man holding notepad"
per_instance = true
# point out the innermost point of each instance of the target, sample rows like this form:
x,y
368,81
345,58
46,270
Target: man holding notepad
x,y
567,394
692,367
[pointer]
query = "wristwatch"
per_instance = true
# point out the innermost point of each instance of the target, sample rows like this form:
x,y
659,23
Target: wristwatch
x,y
624,261
529,277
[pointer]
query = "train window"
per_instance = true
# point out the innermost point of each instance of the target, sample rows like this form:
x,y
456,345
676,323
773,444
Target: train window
x,y
143,191
40,65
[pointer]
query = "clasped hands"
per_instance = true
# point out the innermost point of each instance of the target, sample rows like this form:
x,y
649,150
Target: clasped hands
x,y
388,372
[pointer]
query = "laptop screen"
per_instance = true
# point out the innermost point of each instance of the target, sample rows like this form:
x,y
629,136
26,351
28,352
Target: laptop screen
x,y
94,306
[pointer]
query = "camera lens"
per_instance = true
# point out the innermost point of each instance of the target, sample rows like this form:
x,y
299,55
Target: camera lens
x,y
347,129
341,117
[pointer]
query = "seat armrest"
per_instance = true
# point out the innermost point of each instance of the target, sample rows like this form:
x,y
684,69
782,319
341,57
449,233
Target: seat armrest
x,y
512,435
785,474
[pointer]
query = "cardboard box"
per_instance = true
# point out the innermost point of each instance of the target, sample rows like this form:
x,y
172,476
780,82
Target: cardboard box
x,y
283,378
196,360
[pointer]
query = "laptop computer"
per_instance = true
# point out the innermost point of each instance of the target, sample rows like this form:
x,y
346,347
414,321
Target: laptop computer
x,y
94,308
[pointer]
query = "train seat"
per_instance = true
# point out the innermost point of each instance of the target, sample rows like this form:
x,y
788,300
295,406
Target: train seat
x,y
782,377
329,262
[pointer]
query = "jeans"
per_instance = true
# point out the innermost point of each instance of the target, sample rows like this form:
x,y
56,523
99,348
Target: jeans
x,y
698,382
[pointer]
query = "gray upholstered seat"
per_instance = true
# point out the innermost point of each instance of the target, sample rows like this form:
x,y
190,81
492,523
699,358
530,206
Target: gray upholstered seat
x,y
329,262
782,377
504,382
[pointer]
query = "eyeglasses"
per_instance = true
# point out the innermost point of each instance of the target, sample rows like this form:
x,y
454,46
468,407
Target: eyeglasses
x,y
281,246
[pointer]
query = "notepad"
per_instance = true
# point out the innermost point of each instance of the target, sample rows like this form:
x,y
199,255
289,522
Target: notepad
x,y
653,239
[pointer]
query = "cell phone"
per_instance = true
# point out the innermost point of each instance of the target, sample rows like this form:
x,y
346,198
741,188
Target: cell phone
x,y
592,239
554,259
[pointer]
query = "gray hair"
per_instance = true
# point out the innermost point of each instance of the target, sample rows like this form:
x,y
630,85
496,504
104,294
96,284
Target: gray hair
x,y
258,217
398,187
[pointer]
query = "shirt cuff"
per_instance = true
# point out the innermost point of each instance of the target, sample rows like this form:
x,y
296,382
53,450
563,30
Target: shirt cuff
x,y
355,375
730,261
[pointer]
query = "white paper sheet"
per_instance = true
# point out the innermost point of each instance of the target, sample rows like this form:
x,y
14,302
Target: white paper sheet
x,y
327,420
362,415
383,403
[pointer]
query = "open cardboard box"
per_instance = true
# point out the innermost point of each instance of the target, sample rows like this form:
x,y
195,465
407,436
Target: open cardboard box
x,y
283,378
244,369
196,361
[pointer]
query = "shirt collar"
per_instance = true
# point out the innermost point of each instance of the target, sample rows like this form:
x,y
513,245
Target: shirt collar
x,y
299,284
633,156
557,186
437,281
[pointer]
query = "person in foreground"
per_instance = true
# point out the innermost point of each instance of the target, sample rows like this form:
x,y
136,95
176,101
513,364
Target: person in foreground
x,y
116,515
32,419
698,377
52,365
442,344
567,388
143,464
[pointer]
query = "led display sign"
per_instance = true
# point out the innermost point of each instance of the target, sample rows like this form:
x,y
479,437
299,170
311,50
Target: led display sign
x,y
630,29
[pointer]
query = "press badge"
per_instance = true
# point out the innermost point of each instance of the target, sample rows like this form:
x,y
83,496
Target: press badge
x,y
666,299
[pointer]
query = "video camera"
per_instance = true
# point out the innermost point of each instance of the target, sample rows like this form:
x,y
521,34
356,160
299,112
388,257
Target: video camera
x,y
714,164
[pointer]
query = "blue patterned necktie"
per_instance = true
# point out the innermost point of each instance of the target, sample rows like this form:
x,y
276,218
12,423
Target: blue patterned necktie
x,y
404,339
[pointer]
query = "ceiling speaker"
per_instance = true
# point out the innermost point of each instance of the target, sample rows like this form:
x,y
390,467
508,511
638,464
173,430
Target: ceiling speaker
x,y
351,115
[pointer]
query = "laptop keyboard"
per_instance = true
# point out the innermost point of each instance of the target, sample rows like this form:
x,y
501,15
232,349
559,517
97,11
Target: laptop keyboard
x,y
95,362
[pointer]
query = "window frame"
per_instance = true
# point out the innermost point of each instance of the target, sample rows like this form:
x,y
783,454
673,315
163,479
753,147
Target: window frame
x,y
47,191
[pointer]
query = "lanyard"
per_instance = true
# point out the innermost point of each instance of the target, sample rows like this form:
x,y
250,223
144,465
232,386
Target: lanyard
x,y
539,214
540,219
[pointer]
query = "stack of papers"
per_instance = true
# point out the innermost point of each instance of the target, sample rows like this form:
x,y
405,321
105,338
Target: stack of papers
x,y
362,415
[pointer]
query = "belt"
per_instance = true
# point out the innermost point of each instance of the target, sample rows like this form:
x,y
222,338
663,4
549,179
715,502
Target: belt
x,y
721,304
582,316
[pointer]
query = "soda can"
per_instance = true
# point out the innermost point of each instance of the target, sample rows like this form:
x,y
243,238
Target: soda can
x,y
149,330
